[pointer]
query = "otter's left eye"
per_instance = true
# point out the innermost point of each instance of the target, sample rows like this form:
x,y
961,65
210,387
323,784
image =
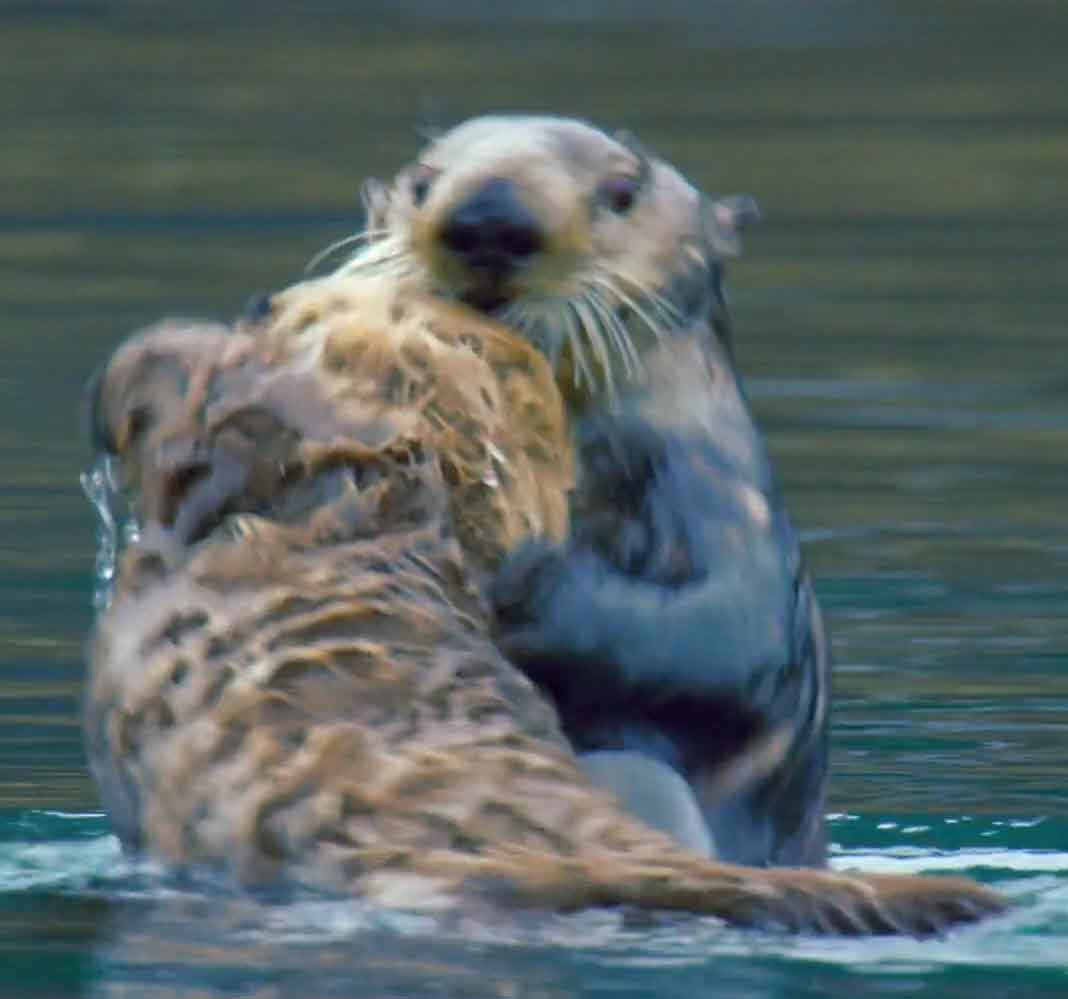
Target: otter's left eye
x,y
421,179
619,193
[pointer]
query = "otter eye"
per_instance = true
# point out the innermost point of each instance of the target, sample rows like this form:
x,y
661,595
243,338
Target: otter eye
x,y
421,179
619,192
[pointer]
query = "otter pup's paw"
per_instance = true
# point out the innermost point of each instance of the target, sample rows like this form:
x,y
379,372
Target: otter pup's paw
x,y
925,906
863,905
523,579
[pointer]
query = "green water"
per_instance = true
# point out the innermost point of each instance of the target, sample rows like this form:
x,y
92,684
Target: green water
x,y
902,321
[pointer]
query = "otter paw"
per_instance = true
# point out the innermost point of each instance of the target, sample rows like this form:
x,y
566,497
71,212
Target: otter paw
x,y
866,905
523,580
538,597
925,906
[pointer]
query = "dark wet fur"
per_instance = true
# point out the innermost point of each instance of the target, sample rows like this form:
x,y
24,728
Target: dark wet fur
x,y
603,626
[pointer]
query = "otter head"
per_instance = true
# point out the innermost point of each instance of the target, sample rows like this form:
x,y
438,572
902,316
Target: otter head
x,y
576,238
351,409
201,434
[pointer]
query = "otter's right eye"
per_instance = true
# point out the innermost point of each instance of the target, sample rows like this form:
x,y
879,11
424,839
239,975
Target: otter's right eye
x,y
421,179
619,192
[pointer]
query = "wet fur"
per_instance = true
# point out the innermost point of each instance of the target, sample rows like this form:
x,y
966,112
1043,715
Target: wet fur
x,y
296,681
679,619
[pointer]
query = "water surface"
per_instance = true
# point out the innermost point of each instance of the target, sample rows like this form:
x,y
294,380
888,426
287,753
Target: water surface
x,y
901,321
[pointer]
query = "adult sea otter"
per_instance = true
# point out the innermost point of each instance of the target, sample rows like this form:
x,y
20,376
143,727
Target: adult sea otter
x,y
677,630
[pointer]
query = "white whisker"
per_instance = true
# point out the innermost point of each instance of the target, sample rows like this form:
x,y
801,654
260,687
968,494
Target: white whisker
x,y
613,289
671,312
632,364
358,237
665,309
373,254
580,366
603,323
589,325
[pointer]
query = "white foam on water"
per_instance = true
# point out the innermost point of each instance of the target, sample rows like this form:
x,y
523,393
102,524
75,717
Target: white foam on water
x,y
60,864
917,860
1033,934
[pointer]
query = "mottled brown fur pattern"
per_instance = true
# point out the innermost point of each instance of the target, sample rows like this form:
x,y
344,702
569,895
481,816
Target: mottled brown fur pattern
x,y
294,680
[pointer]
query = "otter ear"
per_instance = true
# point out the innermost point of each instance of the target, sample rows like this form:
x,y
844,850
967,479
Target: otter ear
x,y
645,161
376,199
722,221
428,132
433,120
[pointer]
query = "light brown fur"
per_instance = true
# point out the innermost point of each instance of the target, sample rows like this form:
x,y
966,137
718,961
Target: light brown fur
x,y
295,681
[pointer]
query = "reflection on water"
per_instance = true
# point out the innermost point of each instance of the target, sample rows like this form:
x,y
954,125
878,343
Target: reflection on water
x,y
901,322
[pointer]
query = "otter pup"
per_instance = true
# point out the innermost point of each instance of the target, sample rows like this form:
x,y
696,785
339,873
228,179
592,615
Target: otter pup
x,y
678,621
295,680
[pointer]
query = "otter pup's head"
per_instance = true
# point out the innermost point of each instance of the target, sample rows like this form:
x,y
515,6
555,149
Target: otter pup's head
x,y
576,238
351,408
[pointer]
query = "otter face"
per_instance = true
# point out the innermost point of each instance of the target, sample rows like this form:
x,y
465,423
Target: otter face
x,y
505,209
204,441
573,237
150,410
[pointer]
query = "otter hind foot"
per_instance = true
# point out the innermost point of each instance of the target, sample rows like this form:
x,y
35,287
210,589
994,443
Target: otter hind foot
x,y
653,792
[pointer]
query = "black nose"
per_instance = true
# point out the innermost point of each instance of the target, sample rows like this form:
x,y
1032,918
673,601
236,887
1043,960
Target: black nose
x,y
493,231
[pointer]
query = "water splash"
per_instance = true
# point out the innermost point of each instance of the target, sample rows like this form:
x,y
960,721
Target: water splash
x,y
155,934
116,526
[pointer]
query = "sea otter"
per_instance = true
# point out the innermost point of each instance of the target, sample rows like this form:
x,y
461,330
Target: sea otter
x,y
679,621
295,680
